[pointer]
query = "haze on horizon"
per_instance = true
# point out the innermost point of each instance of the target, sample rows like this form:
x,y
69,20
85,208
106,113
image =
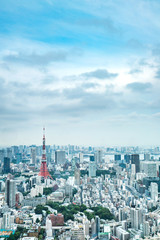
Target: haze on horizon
x,y
87,70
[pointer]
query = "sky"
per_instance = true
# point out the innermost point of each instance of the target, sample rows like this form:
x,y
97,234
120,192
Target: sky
x,y
87,70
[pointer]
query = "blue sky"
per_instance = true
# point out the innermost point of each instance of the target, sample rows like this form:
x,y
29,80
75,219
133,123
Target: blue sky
x,y
87,70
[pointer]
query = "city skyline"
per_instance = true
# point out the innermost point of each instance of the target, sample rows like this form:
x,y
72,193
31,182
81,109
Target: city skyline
x,y
89,72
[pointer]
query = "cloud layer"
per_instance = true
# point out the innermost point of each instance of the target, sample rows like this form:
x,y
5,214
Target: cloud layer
x,y
89,72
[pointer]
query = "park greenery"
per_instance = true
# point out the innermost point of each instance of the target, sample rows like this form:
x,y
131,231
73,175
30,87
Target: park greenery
x,y
99,172
40,208
47,191
71,209
17,234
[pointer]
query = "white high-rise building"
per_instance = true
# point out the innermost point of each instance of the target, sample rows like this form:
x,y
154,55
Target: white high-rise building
x,y
150,169
146,228
7,221
136,218
154,191
33,155
146,156
37,190
86,226
48,227
81,157
77,176
60,157
2,155
9,153
98,156
92,167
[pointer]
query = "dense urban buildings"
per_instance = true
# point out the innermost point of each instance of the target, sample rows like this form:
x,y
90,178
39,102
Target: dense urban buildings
x,y
81,192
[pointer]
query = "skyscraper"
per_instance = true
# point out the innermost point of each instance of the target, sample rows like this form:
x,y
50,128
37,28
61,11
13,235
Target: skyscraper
x,y
117,157
154,191
33,155
60,157
127,158
2,155
136,218
10,192
77,176
6,165
92,167
98,157
135,160
150,169
19,157
9,153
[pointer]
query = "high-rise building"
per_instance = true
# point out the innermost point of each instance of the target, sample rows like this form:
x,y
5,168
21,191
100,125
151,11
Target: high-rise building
x,y
117,157
19,157
150,168
15,150
48,227
7,221
98,156
154,191
33,155
127,158
135,160
10,192
9,153
136,218
97,222
92,167
6,165
60,157
81,157
77,176
2,155
146,156
146,228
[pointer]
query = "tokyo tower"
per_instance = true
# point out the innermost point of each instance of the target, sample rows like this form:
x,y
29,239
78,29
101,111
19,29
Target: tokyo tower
x,y
43,170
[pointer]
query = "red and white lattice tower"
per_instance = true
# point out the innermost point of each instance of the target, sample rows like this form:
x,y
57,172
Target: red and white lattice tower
x,y
43,170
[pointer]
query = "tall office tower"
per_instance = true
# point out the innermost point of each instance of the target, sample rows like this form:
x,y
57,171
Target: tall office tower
x,y
21,148
6,165
146,156
33,155
10,192
117,157
19,157
48,227
127,158
135,160
98,157
81,157
43,170
92,167
150,169
154,191
2,155
77,176
60,157
122,214
7,221
136,218
146,228
133,169
15,150
9,153
97,222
